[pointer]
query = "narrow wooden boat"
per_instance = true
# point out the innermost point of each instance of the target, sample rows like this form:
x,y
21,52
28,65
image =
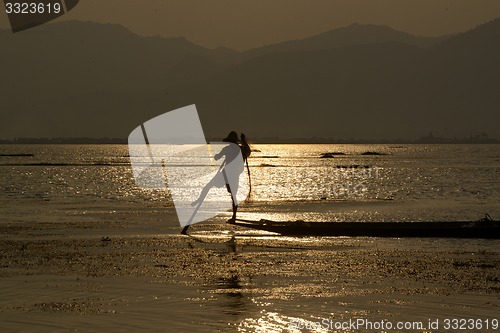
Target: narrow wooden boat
x,y
485,228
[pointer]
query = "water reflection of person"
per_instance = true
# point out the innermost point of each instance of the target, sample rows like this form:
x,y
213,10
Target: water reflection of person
x,y
228,175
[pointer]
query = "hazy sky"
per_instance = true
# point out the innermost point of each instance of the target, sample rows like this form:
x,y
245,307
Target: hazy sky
x,y
243,24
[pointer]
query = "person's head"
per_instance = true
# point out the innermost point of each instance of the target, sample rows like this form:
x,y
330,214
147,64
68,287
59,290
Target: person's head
x,y
243,137
232,137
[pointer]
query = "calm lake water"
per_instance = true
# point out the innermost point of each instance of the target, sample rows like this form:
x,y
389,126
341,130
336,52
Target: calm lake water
x,y
411,182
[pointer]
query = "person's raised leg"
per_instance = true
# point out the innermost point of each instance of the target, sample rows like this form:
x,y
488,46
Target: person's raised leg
x,y
205,190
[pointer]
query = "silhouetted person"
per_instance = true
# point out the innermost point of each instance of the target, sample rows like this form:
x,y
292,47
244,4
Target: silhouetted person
x,y
228,175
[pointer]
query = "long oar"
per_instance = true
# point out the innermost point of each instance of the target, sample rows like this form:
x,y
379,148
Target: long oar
x,y
249,181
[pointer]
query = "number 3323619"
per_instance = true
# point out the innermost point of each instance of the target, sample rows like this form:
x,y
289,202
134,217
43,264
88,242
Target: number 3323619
x,y
32,8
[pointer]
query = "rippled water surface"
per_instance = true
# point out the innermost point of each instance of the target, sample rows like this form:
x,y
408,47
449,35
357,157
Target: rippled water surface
x,y
412,182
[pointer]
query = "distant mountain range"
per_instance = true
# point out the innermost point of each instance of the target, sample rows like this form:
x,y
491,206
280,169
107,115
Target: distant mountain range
x,y
365,82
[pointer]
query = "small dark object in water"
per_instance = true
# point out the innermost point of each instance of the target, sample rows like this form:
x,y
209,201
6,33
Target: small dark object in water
x,y
374,153
105,239
256,151
486,220
331,154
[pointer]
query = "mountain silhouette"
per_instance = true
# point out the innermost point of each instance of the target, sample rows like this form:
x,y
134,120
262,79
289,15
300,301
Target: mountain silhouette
x,y
82,79
355,34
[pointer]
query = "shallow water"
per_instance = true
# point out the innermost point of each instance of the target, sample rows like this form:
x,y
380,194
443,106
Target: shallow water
x,y
238,281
